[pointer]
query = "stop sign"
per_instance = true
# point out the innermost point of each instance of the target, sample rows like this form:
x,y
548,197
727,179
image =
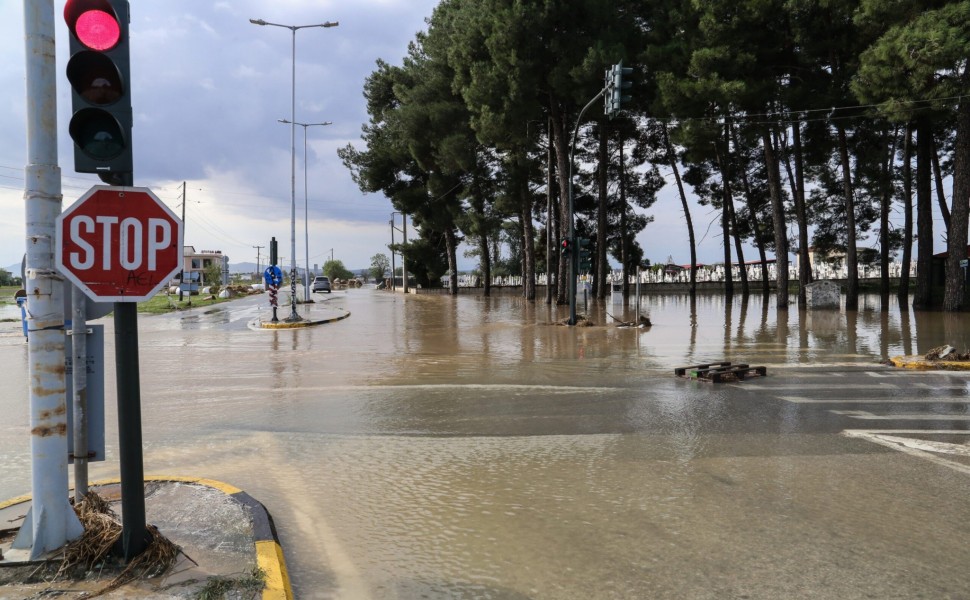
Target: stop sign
x,y
119,244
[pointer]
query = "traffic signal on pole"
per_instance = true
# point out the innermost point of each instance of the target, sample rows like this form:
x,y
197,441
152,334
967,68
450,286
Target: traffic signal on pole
x,y
585,256
616,88
99,73
566,247
608,93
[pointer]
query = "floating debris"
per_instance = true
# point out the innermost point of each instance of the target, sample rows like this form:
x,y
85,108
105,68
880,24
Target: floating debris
x,y
946,352
640,323
719,372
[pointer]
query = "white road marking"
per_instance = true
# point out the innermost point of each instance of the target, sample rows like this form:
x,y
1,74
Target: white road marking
x,y
835,386
918,448
874,400
868,416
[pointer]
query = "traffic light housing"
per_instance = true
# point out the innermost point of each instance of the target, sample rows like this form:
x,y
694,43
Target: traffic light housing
x,y
585,255
100,77
618,82
566,247
608,92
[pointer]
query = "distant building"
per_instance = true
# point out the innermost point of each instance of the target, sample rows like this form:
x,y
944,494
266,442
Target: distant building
x,y
194,265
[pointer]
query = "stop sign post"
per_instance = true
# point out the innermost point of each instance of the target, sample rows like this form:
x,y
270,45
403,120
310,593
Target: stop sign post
x,y
122,245
119,244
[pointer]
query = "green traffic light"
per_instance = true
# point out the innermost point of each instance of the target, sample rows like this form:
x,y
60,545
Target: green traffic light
x,y
97,134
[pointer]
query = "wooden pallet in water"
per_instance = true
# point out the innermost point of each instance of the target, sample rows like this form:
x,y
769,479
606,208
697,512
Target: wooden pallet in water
x,y
719,372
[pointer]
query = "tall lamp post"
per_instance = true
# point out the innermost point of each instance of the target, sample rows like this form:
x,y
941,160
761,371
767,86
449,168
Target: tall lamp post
x,y
306,208
293,28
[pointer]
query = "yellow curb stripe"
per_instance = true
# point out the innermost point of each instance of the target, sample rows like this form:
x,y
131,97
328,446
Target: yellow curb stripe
x,y
219,485
14,501
918,363
269,558
299,324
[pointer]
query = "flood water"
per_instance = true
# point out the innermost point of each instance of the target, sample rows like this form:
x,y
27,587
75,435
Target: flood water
x,y
439,447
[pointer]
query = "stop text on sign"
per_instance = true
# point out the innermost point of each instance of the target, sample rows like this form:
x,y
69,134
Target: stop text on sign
x,y
119,244
137,249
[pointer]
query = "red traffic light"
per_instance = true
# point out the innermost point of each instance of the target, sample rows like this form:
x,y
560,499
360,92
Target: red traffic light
x,y
97,30
100,77
93,23
566,246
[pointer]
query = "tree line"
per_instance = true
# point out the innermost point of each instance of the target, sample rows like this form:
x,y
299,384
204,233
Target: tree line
x,y
787,116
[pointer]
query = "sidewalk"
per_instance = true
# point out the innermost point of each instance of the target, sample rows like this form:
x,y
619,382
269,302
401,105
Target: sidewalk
x,y
224,535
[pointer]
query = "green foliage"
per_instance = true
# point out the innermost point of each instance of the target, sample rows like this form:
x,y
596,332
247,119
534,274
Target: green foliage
x,y
335,269
380,265
6,278
754,96
212,275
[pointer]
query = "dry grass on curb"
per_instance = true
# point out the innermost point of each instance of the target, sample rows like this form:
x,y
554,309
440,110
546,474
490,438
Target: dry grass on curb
x,y
93,550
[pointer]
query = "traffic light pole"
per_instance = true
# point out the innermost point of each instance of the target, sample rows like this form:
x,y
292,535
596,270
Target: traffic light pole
x,y
573,256
133,532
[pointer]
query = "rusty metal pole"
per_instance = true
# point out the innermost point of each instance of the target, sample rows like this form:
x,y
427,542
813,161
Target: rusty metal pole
x,y
79,375
52,521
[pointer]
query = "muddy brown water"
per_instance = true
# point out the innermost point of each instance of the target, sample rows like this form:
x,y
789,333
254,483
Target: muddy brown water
x,y
437,447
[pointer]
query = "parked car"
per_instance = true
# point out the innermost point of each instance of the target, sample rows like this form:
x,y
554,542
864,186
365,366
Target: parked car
x,y
321,283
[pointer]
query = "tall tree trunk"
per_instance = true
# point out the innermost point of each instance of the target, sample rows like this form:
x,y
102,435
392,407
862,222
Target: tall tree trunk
x,y
624,224
907,257
851,255
884,207
552,221
729,198
801,216
672,157
725,219
755,224
938,179
529,249
486,264
778,220
739,251
922,299
451,246
954,295
599,282
561,143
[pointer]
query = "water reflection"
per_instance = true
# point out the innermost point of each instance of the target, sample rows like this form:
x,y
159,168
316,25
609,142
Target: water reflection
x,y
472,447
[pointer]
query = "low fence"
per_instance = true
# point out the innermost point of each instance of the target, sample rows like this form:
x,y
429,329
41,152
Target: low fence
x,y
706,274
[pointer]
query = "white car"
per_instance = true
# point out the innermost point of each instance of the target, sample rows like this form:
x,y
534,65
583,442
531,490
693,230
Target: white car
x,y
321,283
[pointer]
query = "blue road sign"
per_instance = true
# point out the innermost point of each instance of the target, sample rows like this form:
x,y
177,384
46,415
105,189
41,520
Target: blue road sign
x,y
273,275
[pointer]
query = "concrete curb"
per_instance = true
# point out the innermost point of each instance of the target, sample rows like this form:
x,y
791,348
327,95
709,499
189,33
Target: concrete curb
x,y
918,363
269,552
257,324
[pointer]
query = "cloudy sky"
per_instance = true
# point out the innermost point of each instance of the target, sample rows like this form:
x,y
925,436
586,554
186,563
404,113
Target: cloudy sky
x,y
208,88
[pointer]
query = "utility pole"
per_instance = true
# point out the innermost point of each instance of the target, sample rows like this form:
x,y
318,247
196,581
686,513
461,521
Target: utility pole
x,y
258,271
393,266
51,522
404,264
182,250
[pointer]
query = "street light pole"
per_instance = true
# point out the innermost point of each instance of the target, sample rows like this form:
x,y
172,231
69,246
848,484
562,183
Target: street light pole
x,y
293,28
306,209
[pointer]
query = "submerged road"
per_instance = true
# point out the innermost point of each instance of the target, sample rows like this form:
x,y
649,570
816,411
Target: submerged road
x,y
470,448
